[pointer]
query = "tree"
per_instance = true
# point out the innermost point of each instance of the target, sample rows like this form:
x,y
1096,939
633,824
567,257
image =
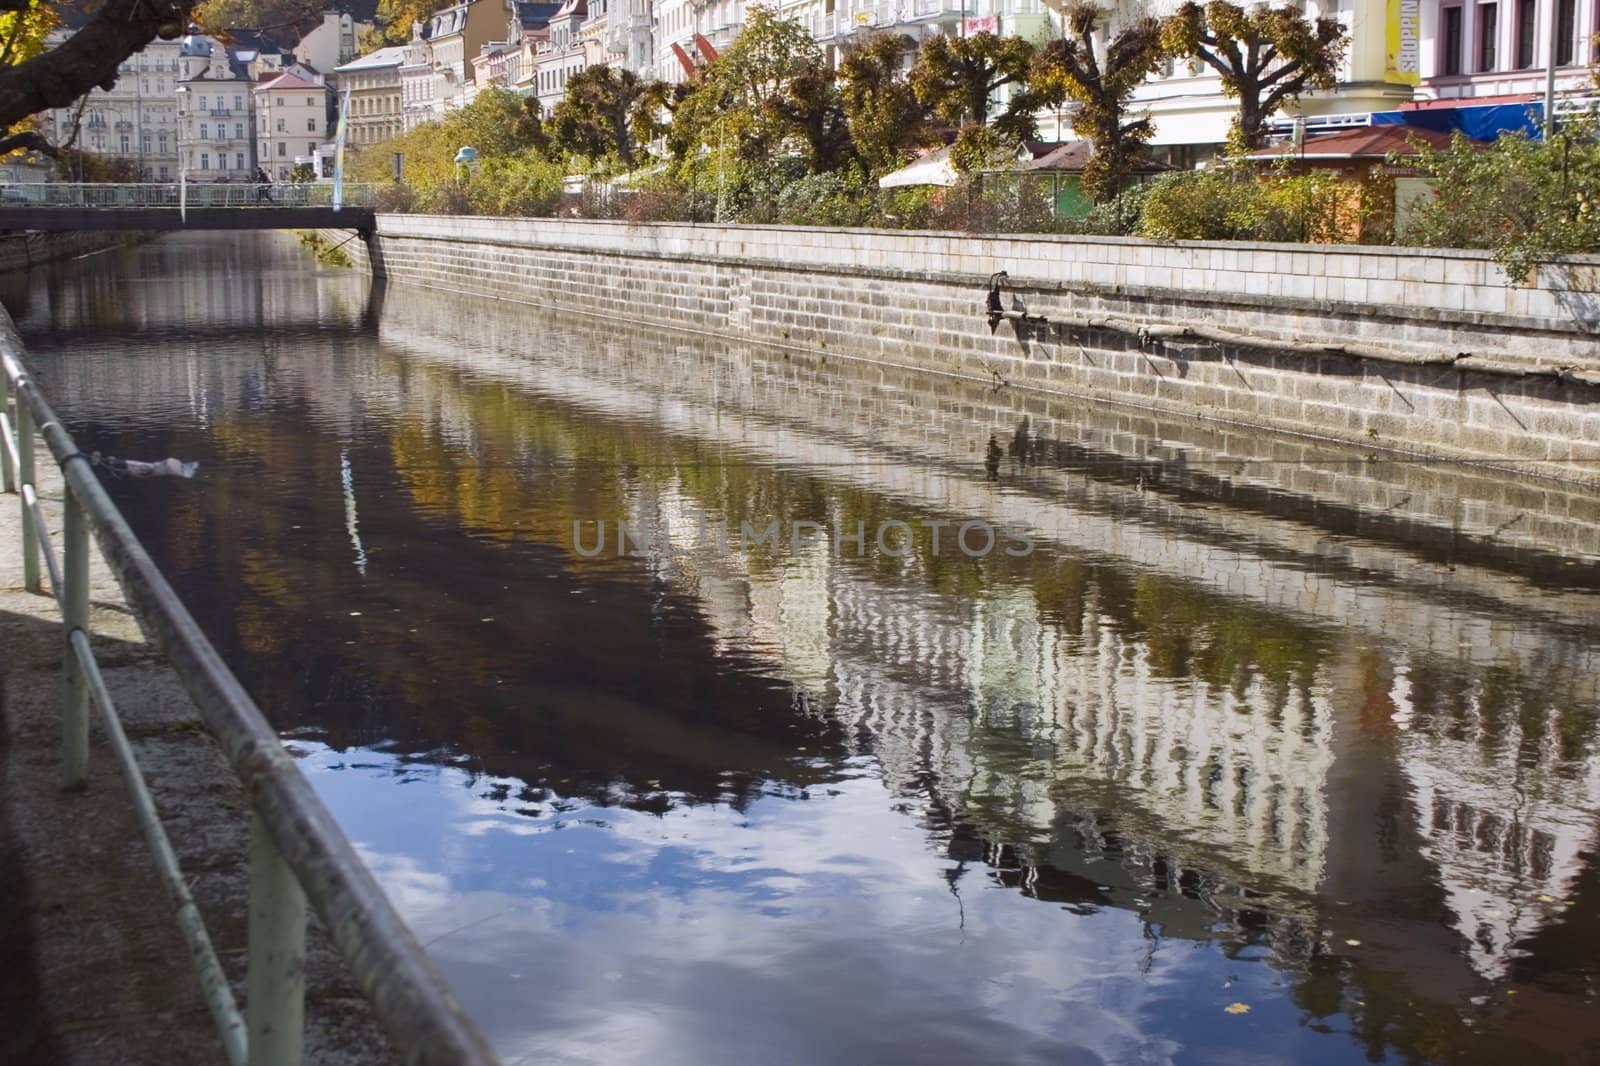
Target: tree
x,y
34,78
885,117
395,18
1070,69
290,18
739,98
603,115
957,78
1267,56
809,109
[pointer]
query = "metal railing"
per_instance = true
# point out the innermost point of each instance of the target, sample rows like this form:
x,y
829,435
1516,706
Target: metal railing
x,y
297,854
111,195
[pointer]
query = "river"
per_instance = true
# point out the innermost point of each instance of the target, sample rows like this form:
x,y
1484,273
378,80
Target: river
x,y
1111,738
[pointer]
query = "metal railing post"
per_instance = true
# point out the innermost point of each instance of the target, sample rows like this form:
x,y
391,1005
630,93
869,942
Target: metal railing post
x,y
276,982
8,479
30,537
74,617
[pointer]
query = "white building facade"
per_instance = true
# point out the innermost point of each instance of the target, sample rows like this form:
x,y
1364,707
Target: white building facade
x,y
215,112
291,121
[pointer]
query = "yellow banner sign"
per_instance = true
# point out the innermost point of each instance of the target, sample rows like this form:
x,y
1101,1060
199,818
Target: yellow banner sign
x,y
1404,66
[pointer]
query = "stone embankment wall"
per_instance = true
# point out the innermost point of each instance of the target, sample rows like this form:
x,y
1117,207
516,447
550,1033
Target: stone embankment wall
x,y
19,251
1422,351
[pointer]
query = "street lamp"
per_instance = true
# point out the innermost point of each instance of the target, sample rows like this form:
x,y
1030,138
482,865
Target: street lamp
x,y
466,164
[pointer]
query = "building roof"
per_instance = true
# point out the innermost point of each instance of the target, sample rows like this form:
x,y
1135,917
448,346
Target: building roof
x,y
287,80
391,56
535,16
1360,142
254,41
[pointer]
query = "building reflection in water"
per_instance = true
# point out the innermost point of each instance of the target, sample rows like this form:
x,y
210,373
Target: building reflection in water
x,y
1249,692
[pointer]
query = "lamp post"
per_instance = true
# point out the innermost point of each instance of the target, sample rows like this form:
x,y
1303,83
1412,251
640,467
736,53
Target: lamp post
x,y
1550,67
466,163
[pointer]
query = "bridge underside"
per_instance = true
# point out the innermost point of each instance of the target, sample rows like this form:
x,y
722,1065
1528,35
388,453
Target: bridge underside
x,y
76,219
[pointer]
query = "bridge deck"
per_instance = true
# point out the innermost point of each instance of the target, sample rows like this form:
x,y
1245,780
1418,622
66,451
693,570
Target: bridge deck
x,y
73,219
68,206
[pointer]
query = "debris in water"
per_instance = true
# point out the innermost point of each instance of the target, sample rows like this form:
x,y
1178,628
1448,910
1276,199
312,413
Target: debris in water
x,y
140,468
1237,1008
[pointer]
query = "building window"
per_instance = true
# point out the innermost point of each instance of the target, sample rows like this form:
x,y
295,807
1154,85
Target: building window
x,y
124,144
165,174
205,160
238,129
1527,32
1488,32
238,161
311,148
280,101
203,128
1450,62
202,103
1566,31
281,149
238,103
311,125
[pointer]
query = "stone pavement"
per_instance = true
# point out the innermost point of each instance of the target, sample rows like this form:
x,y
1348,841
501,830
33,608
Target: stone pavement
x,y
95,967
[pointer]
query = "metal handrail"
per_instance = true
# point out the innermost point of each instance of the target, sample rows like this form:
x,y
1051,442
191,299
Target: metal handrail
x,y
194,193
298,855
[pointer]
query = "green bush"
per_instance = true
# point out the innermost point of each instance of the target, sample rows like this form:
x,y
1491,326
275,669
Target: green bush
x,y
836,199
1237,202
522,184
1523,199
1119,216
1198,205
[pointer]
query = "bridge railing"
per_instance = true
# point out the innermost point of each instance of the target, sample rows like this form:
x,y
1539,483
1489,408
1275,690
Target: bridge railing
x,y
112,195
297,852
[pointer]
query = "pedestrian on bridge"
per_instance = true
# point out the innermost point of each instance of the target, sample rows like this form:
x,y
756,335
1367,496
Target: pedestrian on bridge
x,y
263,187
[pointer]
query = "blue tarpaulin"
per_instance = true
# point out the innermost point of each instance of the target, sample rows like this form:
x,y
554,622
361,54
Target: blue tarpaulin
x,y
1483,122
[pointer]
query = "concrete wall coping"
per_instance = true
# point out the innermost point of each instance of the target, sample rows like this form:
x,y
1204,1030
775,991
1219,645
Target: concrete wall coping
x,y
1375,250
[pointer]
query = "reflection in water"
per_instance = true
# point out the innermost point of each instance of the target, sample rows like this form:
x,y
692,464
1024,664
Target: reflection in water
x,y
1257,721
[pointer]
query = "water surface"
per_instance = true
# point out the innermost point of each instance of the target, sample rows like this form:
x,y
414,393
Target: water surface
x,y
1267,751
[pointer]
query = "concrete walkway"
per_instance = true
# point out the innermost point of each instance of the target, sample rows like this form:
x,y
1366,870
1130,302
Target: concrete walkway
x,y
95,969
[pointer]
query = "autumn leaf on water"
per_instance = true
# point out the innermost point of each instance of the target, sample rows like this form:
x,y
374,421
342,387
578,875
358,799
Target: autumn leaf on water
x,y
1237,1008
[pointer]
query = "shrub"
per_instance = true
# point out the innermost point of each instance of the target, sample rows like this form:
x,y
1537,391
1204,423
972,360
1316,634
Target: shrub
x,y
1236,202
1197,205
833,199
522,184
1523,199
1119,216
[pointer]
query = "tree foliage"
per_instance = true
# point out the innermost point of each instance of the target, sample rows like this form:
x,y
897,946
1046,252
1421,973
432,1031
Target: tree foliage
x,y
810,111
741,98
509,141
1102,86
288,19
394,19
606,114
957,79
1266,56
884,117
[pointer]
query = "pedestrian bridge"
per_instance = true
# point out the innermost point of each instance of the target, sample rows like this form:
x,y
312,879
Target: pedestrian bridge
x,y
63,207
